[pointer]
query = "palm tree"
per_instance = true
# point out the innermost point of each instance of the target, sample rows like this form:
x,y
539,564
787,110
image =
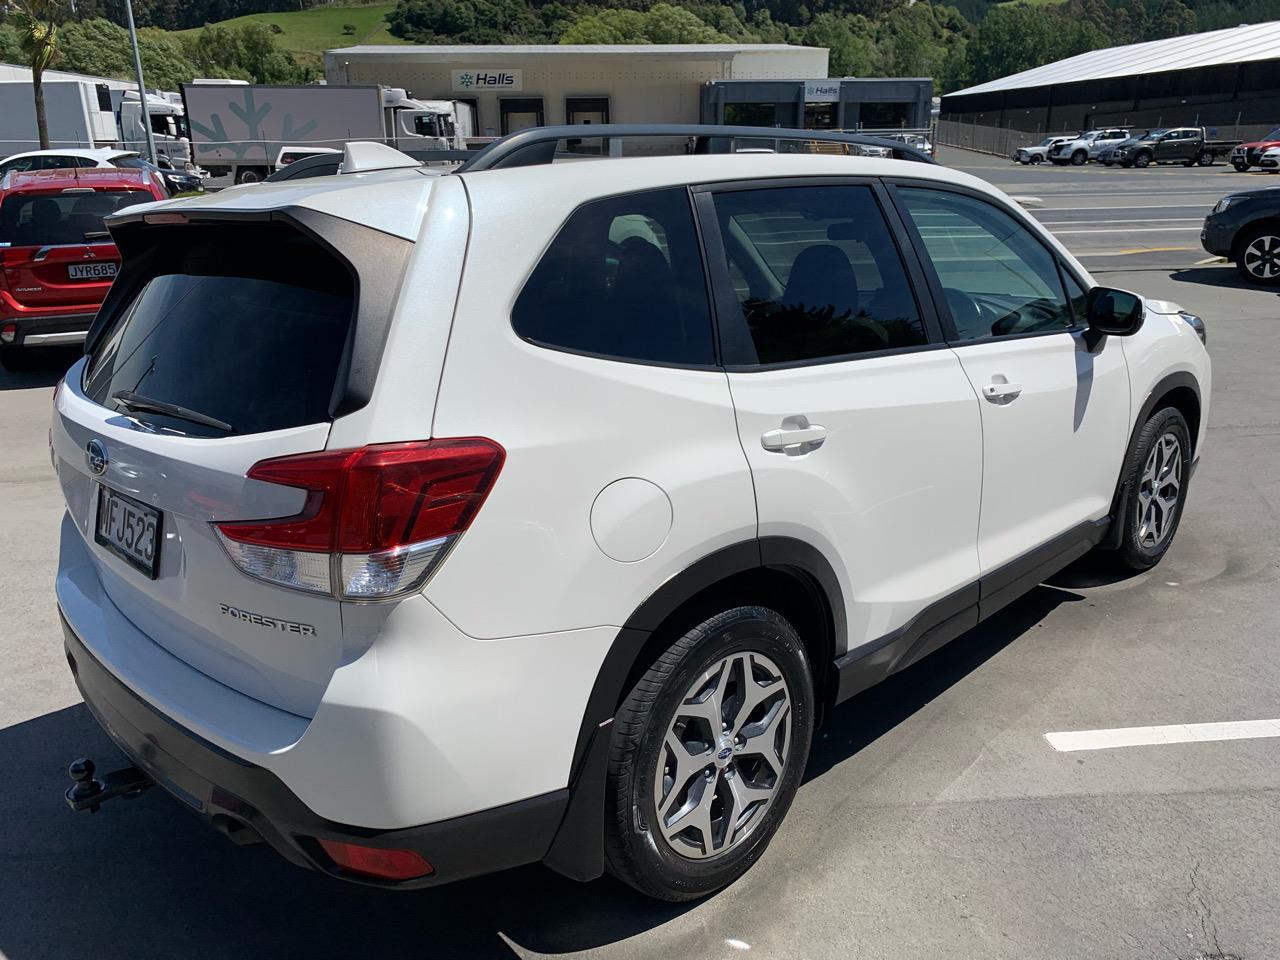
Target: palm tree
x,y
37,23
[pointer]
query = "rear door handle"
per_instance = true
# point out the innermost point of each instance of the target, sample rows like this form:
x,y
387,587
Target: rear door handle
x,y
795,437
1002,392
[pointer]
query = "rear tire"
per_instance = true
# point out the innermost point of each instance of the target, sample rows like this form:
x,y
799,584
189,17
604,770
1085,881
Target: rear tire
x,y
1156,477
1258,257
659,836
1205,159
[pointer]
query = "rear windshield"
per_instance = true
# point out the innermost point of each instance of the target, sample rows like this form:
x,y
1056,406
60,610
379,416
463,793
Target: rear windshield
x,y
247,326
43,220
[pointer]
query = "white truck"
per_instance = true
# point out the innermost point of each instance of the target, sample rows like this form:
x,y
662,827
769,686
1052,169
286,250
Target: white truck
x,y
87,112
238,130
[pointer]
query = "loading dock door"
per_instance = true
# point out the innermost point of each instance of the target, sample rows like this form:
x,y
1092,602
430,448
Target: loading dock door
x,y
586,109
520,113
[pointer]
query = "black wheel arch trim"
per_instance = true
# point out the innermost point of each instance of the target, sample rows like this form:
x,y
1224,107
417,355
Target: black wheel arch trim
x,y
1180,379
578,848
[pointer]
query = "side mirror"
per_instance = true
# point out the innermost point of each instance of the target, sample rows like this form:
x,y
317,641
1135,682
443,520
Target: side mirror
x,y
1113,313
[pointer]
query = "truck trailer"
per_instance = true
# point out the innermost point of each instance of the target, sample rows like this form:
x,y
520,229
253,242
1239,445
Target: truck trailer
x,y
238,130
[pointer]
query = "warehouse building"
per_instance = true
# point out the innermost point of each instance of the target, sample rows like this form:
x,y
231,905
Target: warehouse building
x,y
517,86
1220,79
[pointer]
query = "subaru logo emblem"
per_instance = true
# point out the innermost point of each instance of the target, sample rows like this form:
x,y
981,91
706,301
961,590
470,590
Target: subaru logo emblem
x,y
95,455
725,753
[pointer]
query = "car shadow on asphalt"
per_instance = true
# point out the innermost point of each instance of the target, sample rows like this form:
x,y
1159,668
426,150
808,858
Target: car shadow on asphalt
x,y
1219,275
44,367
863,719
146,878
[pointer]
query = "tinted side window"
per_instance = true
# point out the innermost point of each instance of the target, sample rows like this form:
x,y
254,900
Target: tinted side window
x,y
623,278
998,279
816,272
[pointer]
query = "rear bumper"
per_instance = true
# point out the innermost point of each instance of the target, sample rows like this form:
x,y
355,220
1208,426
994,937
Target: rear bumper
x,y
48,330
248,802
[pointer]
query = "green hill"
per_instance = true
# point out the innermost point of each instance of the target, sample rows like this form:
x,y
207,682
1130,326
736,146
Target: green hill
x,y
308,33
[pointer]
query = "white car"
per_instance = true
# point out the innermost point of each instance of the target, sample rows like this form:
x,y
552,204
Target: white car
x,y
1270,161
1088,146
1040,152
66,158
440,524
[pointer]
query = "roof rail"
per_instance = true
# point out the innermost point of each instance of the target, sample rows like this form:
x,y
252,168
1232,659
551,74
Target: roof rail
x,y
537,145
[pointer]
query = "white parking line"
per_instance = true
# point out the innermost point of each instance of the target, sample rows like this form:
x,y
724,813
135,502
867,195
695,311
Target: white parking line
x,y
1069,741
1145,206
1081,223
1063,233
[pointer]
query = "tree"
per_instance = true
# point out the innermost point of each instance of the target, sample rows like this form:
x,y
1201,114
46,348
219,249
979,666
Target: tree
x,y
663,23
37,24
849,40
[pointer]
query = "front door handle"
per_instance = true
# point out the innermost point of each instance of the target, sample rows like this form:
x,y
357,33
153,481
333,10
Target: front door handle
x,y
796,436
1002,392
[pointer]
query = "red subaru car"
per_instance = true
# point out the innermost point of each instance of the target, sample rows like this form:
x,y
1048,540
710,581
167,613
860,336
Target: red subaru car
x,y
57,260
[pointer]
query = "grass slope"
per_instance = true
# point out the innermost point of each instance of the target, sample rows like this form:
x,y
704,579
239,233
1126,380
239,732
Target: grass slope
x,y
308,33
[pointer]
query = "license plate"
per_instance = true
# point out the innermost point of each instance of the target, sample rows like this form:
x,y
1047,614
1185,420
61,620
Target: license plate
x,y
91,271
129,529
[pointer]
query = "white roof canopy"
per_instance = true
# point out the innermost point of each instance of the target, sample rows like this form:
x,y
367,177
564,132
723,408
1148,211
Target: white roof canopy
x,y
1260,41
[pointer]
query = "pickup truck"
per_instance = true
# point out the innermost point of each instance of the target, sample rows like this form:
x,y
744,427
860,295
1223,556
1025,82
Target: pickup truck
x,y
1088,146
1185,145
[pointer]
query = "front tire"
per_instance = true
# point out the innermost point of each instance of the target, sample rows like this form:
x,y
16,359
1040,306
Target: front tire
x,y
707,753
1156,478
1035,158
1259,258
1079,158
1142,160
1241,167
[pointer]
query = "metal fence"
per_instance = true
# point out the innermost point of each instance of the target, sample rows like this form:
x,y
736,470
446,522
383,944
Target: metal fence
x,y
1003,141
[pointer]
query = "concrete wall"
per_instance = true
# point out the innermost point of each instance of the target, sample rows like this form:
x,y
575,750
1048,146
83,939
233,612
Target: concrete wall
x,y
640,87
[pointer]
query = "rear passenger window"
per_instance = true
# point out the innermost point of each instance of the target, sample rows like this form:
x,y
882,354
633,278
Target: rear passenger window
x,y
816,273
623,278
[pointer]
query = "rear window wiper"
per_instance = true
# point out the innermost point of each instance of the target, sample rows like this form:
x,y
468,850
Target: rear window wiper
x,y
135,401
98,235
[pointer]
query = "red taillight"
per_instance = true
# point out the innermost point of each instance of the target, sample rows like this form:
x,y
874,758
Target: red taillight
x,y
389,510
381,863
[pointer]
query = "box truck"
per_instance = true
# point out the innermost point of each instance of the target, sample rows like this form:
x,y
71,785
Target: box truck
x,y
238,130
92,113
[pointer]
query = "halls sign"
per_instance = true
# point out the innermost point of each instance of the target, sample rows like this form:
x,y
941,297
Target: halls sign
x,y
487,78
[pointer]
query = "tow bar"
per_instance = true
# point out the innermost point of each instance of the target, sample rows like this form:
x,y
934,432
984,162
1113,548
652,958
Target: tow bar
x,y
89,794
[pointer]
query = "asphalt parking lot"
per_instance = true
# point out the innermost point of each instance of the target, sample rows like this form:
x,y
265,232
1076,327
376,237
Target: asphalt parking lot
x,y
936,820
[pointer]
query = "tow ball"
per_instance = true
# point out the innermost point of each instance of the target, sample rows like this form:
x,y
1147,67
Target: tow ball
x,y
88,793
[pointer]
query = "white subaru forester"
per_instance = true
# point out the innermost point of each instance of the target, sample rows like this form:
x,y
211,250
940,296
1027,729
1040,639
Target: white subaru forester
x,y
425,525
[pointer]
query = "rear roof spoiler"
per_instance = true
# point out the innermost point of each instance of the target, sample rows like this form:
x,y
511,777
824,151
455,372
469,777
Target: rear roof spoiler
x,y
537,145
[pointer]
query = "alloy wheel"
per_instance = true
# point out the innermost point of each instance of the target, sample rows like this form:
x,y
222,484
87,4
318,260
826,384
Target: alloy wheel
x,y
1158,491
723,756
1262,257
